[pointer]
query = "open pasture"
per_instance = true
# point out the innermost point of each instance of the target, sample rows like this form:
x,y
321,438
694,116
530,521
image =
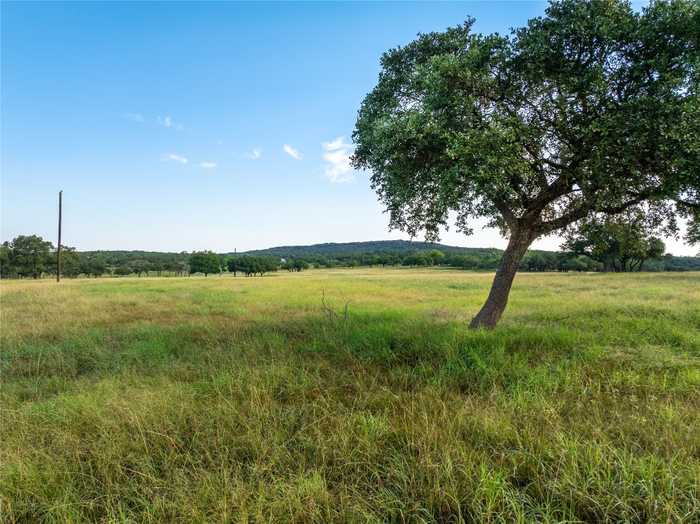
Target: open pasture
x,y
226,399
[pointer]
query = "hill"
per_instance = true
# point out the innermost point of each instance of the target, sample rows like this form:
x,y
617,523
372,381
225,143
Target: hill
x,y
333,249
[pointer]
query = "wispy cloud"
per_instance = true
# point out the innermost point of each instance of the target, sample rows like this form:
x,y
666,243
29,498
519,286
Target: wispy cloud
x,y
294,153
254,153
134,117
337,160
163,121
167,121
208,165
174,157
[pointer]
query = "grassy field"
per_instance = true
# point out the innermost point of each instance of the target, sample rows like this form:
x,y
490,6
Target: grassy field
x,y
247,400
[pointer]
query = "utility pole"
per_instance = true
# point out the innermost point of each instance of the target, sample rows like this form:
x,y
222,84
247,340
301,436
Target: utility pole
x,y
58,250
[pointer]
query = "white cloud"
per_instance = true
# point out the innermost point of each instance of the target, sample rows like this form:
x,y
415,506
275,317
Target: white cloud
x,y
337,157
135,117
208,165
338,143
167,121
173,157
294,153
254,154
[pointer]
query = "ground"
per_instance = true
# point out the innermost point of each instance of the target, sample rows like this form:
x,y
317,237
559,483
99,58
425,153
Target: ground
x,y
226,399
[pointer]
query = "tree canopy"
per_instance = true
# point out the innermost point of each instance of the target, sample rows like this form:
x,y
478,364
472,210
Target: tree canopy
x,y
252,265
693,234
592,108
27,256
93,264
620,243
204,262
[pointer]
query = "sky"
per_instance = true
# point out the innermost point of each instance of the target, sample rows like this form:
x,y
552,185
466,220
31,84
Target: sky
x,y
188,126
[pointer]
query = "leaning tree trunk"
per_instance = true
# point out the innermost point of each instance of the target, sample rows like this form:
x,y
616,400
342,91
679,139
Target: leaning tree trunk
x,y
496,302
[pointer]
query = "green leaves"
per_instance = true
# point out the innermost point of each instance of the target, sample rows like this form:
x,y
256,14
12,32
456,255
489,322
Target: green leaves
x,y
26,256
204,262
621,243
591,108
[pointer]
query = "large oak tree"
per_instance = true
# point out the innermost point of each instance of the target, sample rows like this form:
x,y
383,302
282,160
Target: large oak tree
x,y
592,108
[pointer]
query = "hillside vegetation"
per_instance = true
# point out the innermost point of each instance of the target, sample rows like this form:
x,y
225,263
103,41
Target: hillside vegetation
x,y
351,396
335,249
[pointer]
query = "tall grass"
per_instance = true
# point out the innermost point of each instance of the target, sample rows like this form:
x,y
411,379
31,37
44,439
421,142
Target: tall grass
x,y
247,400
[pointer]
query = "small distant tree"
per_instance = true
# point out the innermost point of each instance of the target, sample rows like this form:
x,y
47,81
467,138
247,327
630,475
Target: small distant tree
x,y
470,262
123,271
416,259
253,265
388,259
246,265
590,109
157,267
140,266
692,235
204,262
296,264
534,261
70,262
233,265
182,267
374,260
272,264
223,262
435,257
577,263
30,256
7,269
92,264
620,243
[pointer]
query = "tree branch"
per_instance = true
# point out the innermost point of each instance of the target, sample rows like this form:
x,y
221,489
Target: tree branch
x,y
506,212
583,210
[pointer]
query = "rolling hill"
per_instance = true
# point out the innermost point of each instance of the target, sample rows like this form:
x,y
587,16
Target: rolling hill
x,y
333,249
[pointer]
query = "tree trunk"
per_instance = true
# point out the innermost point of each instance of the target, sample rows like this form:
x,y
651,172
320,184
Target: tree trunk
x,y
496,302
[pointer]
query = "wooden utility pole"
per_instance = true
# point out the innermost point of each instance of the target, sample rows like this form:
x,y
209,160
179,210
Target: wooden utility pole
x,y
58,250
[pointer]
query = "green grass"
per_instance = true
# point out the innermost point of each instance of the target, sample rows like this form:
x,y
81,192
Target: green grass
x,y
245,400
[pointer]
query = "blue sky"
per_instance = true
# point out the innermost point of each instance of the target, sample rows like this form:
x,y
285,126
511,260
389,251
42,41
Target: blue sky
x,y
182,126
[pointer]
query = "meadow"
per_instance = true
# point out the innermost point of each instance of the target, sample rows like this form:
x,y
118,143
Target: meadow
x,y
350,396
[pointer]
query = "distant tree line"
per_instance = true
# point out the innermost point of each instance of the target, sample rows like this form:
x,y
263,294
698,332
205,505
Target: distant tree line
x,y
605,246
208,262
